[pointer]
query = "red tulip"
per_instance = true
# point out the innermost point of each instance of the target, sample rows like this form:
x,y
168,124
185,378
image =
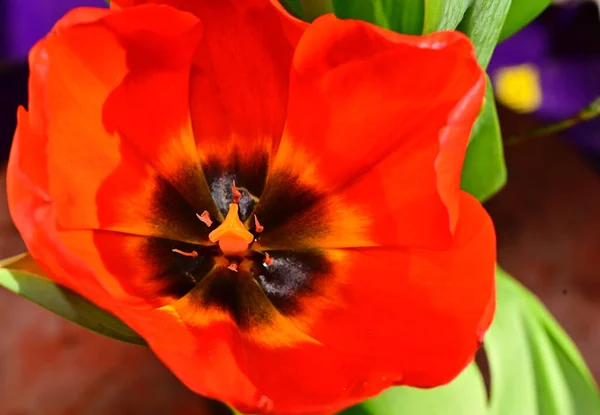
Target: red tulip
x,y
274,207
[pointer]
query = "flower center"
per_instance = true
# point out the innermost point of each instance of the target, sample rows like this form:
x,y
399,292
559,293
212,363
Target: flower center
x,y
231,235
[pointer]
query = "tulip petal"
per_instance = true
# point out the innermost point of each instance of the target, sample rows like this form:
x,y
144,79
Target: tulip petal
x,y
264,338
239,87
240,80
239,84
415,315
140,272
126,136
381,120
34,215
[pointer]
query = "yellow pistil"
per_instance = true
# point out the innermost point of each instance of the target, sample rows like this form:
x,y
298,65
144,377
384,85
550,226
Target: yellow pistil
x,y
232,235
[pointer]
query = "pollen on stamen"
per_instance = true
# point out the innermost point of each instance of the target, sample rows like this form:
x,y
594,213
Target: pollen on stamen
x,y
236,193
205,218
257,226
192,254
268,260
233,266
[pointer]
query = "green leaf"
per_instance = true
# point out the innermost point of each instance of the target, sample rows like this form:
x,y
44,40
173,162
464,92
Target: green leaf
x,y
483,22
403,16
520,14
535,367
293,6
465,395
444,14
484,171
311,9
23,276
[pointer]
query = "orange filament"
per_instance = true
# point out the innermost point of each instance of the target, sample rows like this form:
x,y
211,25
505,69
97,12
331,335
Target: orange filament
x,y
192,254
232,235
268,259
257,226
205,218
236,193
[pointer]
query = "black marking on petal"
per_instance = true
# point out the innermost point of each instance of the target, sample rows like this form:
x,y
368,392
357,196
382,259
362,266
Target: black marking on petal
x,y
192,179
284,198
252,176
291,275
173,210
178,274
249,177
222,193
235,293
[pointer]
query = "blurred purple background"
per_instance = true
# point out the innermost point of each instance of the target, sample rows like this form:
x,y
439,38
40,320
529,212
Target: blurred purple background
x,y
563,47
25,21
22,23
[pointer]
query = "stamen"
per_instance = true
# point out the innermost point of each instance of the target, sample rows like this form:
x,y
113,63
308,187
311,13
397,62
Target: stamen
x,y
231,234
236,193
257,226
205,218
233,266
192,254
268,259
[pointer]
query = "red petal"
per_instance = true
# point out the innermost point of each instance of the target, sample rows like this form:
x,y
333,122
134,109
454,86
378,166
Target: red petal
x,y
414,316
240,80
383,119
31,207
265,351
241,75
32,126
120,144
34,214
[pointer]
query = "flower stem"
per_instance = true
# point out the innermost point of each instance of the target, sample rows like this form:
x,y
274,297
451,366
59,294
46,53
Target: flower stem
x,y
590,111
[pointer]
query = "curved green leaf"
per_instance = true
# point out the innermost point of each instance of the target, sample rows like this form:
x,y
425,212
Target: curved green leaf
x,y
520,14
293,6
403,16
484,170
444,14
535,368
311,9
483,22
465,395
23,276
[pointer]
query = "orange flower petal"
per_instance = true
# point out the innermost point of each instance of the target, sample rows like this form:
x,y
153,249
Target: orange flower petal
x,y
412,316
239,84
239,87
140,272
132,160
34,214
267,346
240,78
383,120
